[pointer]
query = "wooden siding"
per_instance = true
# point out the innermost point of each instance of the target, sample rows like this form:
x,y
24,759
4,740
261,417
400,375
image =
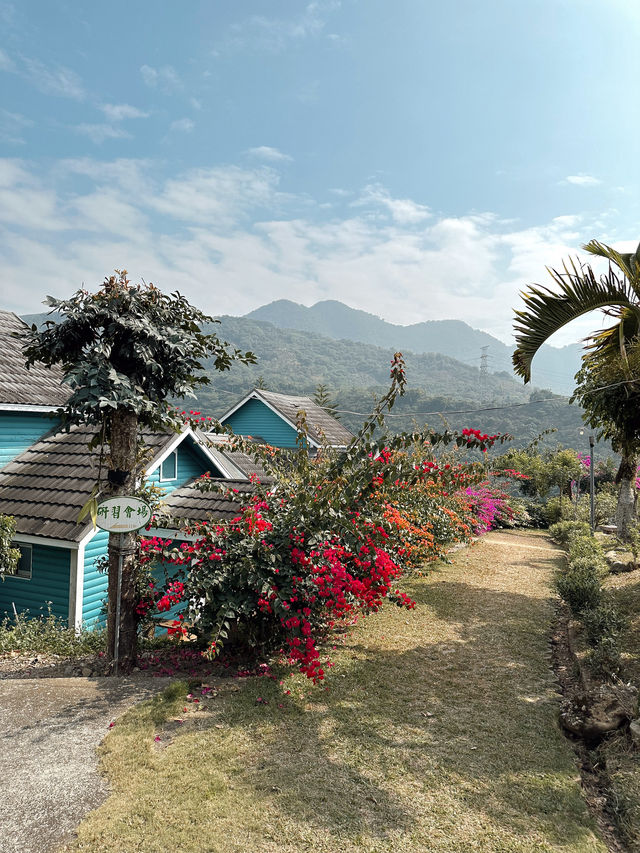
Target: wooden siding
x,y
191,463
19,430
49,583
256,419
94,590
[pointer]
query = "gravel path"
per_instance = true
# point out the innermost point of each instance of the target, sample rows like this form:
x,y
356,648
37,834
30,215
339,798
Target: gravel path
x,y
49,731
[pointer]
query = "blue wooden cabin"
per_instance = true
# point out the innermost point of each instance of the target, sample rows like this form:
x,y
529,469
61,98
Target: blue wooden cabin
x,y
46,475
270,417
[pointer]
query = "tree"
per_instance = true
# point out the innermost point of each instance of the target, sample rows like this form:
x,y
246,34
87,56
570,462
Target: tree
x,y
564,467
125,351
323,399
611,401
617,294
558,467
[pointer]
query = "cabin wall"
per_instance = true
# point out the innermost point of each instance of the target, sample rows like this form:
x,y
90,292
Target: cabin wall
x,y
191,463
94,585
50,574
259,421
19,430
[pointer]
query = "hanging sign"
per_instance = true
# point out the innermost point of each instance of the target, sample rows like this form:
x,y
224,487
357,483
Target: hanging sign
x,y
123,514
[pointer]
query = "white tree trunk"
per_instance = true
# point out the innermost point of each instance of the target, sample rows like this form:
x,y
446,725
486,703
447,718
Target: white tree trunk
x,y
625,511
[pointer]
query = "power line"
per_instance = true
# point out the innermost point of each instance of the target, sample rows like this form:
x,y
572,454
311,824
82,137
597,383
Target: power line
x,y
557,398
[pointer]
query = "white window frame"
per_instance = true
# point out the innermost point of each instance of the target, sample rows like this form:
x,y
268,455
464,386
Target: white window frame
x,y
162,479
24,549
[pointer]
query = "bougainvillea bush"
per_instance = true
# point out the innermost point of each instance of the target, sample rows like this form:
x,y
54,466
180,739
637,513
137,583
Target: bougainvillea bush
x,y
325,543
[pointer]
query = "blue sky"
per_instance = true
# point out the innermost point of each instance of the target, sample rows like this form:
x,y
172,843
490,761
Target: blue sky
x,y
417,159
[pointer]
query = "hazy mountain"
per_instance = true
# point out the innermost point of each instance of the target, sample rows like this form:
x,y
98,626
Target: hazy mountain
x,y
290,360
439,387
553,368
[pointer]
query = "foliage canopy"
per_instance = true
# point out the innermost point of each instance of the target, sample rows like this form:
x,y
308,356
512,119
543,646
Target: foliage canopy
x,y
129,347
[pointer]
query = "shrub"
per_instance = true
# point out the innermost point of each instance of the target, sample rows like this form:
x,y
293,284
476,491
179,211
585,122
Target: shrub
x,y
535,510
605,659
562,530
598,565
328,540
604,620
48,634
580,587
605,507
553,510
518,516
584,546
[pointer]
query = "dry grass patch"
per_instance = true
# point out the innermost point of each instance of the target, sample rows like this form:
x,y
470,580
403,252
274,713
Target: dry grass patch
x,y
438,733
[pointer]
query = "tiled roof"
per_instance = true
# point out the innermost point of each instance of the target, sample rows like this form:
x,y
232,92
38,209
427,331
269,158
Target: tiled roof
x,y
188,503
45,487
38,386
247,465
319,422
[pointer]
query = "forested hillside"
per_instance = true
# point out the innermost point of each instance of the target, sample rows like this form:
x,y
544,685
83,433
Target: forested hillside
x,y
554,368
447,390
296,362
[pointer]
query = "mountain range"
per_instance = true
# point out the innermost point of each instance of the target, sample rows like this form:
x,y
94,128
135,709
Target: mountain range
x,y
553,368
439,386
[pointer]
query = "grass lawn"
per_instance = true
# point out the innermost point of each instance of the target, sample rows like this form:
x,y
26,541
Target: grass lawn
x,y
438,733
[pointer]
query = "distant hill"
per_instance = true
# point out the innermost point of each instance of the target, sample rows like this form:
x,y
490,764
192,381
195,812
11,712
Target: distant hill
x,y
294,361
553,368
290,360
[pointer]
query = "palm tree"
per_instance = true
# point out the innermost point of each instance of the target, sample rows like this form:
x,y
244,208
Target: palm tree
x,y
578,291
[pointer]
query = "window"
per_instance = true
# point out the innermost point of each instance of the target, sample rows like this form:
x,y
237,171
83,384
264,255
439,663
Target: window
x,y
24,563
169,468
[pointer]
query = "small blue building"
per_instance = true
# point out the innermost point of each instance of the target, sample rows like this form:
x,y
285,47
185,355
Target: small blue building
x,y
270,417
46,476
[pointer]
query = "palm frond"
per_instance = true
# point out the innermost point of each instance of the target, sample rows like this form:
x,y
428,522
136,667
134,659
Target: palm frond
x,y
609,345
627,262
546,311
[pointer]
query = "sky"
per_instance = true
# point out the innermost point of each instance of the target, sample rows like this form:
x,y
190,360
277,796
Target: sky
x,y
416,159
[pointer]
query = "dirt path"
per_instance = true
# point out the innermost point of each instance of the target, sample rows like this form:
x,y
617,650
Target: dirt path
x,y
49,731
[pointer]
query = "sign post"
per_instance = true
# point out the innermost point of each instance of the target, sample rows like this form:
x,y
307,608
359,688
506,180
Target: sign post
x,y
121,515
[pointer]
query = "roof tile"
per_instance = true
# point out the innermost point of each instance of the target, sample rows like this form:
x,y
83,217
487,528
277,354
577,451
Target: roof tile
x,y
37,386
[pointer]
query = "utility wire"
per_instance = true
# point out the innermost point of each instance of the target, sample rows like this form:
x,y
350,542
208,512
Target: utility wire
x,y
557,398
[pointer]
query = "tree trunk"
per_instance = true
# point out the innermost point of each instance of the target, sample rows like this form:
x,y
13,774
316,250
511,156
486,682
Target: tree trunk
x,y
121,481
625,511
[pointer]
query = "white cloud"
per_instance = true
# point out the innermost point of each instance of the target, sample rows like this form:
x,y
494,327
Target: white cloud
x,y
25,203
54,80
11,127
183,125
6,63
583,180
403,210
230,241
99,132
271,155
260,32
218,195
104,211
165,78
14,172
128,175
120,112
